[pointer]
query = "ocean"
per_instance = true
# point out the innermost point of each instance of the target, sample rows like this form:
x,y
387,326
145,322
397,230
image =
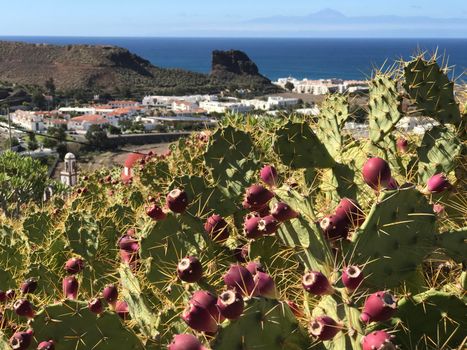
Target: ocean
x,y
277,58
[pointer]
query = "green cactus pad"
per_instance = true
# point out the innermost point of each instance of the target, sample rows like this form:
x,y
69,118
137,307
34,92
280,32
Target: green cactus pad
x,y
71,325
36,227
439,152
397,234
432,90
431,320
265,324
383,107
454,244
13,257
298,147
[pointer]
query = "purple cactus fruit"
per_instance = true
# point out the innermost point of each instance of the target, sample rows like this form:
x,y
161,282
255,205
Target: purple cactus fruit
x,y
2,296
177,201
316,283
254,266
250,227
268,225
216,227
207,300
128,257
121,308
239,278
295,309
352,210
70,287
378,340
110,294
324,328
263,211
392,184
376,173
128,243
23,308
21,340
264,285
335,226
95,305
269,175
189,269
436,184
283,212
379,306
257,196
74,265
10,294
438,209
230,304
46,345
402,145
185,342
155,212
29,286
199,319
352,277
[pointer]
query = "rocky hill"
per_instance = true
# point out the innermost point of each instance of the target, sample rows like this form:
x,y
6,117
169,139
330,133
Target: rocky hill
x,y
112,69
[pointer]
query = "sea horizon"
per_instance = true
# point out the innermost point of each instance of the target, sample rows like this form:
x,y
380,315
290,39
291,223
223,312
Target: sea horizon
x,y
277,57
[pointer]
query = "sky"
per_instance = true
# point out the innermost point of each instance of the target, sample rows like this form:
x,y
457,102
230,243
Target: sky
x,y
222,18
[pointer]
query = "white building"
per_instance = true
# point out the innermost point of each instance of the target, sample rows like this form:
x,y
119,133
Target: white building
x,y
322,86
84,122
166,101
224,107
28,120
184,106
417,125
86,110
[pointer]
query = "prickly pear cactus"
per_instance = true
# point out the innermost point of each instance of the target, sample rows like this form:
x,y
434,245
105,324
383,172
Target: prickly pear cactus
x,y
267,324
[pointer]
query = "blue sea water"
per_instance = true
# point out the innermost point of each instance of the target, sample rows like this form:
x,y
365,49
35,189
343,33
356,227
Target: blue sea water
x,y
300,58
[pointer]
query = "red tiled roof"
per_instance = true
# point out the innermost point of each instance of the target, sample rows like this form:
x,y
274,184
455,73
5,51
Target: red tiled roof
x,y
91,118
132,159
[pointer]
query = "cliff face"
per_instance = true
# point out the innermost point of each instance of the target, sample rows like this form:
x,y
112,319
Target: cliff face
x,y
110,69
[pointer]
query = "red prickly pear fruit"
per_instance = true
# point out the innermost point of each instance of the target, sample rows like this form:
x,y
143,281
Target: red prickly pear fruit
x,y
46,345
189,269
95,305
241,253
376,173
10,294
131,232
436,184
316,283
324,328
402,145
269,175
177,201
110,294
74,265
352,277
2,296
263,211
250,227
379,307
207,300
128,243
199,319
257,196
23,308
239,278
21,340
155,212
264,285
121,308
185,342
216,227
352,210
335,226
254,267
230,304
70,287
294,308
29,286
438,209
128,257
283,212
378,340
392,184
268,225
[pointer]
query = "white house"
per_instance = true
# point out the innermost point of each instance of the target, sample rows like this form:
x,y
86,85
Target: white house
x,y
184,106
224,107
28,120
84,122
